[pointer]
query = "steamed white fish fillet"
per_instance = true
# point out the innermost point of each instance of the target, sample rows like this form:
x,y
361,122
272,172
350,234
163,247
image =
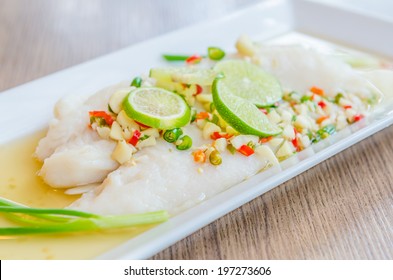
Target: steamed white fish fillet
x,y
383,80
82,161
299,68
165,178
72,153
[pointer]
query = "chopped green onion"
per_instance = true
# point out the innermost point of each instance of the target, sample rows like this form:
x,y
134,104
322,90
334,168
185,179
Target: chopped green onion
x,y
184,143
136,82
215,53
172,135
175,57
372,100
110,109
231,149
65,212
305,98
292,93
144,137
44,221
338,97
215,158
287,97
323,133
329,129
193,115
212,107
215,119
98,120
294,117
251,144
268,109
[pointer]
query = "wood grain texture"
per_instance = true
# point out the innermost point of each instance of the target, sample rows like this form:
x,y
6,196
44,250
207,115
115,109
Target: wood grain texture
x,y
340,209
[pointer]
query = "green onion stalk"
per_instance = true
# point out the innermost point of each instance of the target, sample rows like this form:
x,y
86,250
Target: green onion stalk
x,y
54,220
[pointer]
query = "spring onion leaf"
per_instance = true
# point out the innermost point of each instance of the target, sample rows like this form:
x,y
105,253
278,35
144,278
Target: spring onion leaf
x,y
53,220
305,98
66,212
175,57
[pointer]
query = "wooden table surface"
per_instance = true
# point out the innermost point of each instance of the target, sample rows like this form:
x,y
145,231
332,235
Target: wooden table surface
x,y
340,209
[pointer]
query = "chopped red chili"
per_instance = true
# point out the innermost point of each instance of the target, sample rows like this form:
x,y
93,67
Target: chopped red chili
x,y
246,150
135,138
104,115
322,104
202,115
296,144
194,59
199,89
357,117
217,135
265,139
317,90
263,110
142,125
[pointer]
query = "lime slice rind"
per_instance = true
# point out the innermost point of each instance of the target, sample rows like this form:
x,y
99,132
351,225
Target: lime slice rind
x,y
250,82
157,108
240,113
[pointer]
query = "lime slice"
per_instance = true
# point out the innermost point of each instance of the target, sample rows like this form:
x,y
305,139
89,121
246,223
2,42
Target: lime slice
x,y
240,113
250,82
157,108
184,75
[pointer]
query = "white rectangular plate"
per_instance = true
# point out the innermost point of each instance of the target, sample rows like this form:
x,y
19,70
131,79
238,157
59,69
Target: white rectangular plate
x,y
265,21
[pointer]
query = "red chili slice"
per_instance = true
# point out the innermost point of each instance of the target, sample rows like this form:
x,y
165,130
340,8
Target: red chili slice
x,y
322,104
142,125
199,89
263,110
217,135
246,150
358,117
135,138
202,115
194,59
102,114
265,139
296,144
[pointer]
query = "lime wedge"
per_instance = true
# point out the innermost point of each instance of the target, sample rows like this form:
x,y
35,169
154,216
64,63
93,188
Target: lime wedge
x,y
240,113
250,82
157,108
184,75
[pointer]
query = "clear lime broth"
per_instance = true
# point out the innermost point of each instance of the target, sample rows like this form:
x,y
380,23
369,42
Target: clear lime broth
x,y
19,182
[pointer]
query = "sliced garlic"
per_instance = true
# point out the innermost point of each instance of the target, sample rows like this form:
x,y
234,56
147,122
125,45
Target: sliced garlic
x,y
116,131
209,128
151,141
103,131
126,122
123,152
